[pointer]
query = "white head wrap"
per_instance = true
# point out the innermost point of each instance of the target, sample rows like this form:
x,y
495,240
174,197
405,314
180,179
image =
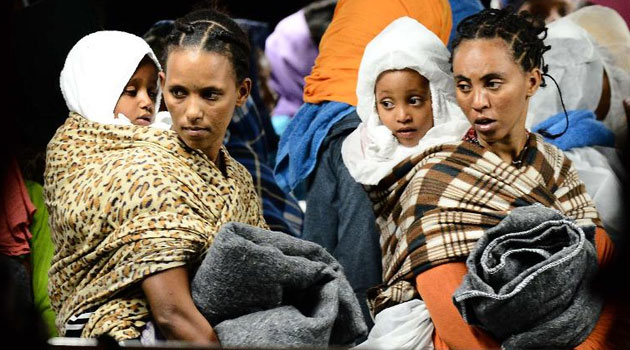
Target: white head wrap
x,y
577,60
371,151
97,70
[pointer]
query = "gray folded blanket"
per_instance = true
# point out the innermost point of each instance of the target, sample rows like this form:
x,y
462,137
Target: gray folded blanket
x,y
263,288
528,281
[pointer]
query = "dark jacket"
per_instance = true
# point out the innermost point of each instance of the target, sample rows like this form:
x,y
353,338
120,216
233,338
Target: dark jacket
x,y
339,215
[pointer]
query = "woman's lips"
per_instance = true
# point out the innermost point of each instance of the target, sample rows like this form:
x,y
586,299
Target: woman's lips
x,y
485,125
195,131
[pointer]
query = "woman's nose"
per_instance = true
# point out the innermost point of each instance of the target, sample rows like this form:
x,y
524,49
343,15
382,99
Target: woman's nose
x,y
480,100
193,110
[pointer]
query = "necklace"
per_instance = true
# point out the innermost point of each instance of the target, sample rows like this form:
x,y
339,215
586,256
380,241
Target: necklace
x,y
518,160
471,136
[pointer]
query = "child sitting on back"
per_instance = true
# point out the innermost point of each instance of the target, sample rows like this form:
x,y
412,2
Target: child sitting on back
x,y
111,77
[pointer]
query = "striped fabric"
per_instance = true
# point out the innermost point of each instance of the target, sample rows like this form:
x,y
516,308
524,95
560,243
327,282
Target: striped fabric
x,y
432,207
76,323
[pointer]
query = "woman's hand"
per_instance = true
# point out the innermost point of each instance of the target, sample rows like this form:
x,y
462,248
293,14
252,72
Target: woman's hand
x,y
173,310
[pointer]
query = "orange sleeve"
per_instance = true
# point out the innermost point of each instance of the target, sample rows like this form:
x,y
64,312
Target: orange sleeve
x,y
451,331
604,246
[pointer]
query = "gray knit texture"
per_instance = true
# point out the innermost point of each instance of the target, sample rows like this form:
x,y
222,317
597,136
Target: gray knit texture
x,y
528,281
264,288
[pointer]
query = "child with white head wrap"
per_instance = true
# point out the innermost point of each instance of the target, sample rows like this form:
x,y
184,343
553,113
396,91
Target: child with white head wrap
x,y
372,150
97,71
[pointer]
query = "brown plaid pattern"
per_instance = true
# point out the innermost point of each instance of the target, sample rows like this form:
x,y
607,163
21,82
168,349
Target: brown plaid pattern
x,y
432,207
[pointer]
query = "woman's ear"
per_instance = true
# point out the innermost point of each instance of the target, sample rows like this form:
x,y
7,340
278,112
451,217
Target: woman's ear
x,y
243,91
162,79
534,78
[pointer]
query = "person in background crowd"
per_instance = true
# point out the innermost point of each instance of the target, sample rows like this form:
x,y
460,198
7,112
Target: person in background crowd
x,y
291,50
25,240
462,9
593,82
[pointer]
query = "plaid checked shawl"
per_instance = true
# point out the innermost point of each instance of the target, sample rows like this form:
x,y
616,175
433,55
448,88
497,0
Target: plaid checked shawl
x,y
432,207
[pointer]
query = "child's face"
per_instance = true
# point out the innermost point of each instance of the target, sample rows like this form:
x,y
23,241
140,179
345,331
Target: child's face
x,y
403,103
137,101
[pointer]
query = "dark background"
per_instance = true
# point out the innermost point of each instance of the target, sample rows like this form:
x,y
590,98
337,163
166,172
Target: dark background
x,y
39,34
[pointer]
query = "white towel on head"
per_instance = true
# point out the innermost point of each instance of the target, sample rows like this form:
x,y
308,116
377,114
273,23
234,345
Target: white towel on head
x,y
577,60
97,70
371,151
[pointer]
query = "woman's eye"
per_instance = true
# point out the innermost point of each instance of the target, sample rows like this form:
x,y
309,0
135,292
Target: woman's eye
x,y
210,95
463,87
494,84
177,93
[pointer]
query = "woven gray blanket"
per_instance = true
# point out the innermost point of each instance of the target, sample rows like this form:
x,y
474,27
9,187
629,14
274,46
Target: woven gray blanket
x,y
264,288
528,281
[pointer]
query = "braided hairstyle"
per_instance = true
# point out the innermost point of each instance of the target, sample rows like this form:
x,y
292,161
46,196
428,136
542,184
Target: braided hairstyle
x,y
522,32
212,31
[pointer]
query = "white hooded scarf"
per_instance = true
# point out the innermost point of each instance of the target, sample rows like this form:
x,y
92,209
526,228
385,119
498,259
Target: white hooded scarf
x,y
371,151
96,71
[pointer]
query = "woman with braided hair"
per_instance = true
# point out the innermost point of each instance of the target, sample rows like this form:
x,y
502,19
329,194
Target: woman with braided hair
x,y
478,228
129,239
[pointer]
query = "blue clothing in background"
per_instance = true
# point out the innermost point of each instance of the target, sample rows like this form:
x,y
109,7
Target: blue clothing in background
x,y
301,140
340,218
584,130
246,140
460,10
257,32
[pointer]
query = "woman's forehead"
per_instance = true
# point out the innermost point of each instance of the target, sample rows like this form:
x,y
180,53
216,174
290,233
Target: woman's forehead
x,y
482,55
196,64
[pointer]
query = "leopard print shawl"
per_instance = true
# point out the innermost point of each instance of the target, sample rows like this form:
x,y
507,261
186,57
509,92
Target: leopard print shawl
x,y
126,202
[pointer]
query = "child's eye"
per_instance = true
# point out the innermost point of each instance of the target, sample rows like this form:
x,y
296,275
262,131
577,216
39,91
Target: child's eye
x,y
130,91
387,104
153,94
416,101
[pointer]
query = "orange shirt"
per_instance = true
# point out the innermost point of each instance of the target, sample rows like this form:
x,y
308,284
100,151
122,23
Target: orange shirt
x,y
355,23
